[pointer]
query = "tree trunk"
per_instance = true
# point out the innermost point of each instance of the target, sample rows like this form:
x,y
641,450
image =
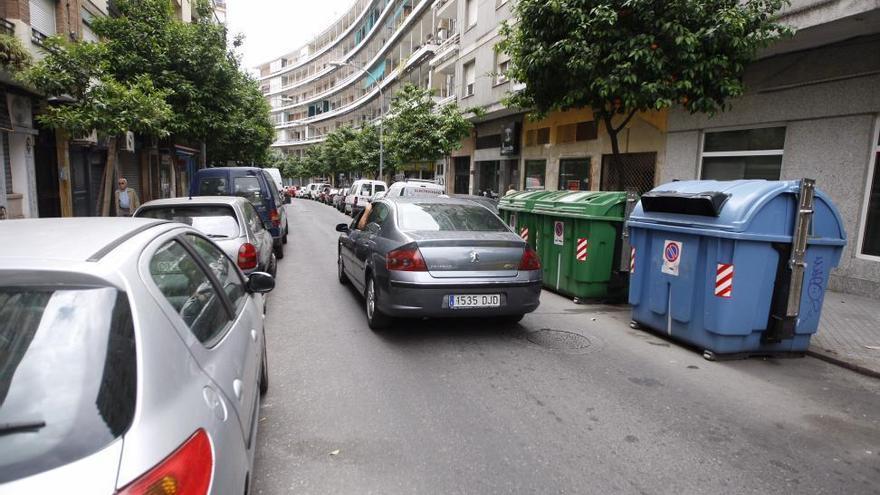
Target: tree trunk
x,y
109,174
607,117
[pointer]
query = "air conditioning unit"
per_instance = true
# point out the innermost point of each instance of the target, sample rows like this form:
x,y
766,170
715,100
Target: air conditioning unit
x,y
91,138
469,90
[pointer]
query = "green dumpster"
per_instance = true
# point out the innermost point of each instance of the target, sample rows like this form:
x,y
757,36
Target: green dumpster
x,y
516,211
579,241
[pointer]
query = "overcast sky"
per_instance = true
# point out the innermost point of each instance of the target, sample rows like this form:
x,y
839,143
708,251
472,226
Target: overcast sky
x,y
275,27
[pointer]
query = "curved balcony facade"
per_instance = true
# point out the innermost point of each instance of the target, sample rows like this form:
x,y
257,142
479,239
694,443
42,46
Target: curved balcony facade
x,y
394,41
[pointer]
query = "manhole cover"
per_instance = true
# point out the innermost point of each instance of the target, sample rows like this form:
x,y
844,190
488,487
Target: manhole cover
x,y
559,340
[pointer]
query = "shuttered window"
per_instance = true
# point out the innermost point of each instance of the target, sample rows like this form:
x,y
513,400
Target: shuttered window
x,y
87,33
43,16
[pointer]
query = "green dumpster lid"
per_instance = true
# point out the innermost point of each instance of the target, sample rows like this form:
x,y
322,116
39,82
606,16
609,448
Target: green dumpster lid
x,y
600,205
521,201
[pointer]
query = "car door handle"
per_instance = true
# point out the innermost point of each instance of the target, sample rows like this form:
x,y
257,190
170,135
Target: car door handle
x,y
236,387
253,335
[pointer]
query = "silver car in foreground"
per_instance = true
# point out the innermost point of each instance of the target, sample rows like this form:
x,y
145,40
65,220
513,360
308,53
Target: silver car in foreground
x,y
133,359
437,257
230,221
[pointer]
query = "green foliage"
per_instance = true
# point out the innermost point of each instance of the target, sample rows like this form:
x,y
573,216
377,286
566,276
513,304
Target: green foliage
x,y
420,131
212,100
619,57
100,101
14,57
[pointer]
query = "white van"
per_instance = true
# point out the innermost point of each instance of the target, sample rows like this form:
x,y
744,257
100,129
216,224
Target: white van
x,y
276,176
361,193
414,187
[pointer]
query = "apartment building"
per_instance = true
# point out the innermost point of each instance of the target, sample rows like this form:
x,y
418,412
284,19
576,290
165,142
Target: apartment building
x,y
812,110
347,74
450,47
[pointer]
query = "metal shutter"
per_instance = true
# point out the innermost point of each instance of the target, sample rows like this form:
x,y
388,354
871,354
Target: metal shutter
x,y
43,16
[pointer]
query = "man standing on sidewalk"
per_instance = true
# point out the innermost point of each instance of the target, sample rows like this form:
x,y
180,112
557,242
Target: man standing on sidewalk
x,y
126,199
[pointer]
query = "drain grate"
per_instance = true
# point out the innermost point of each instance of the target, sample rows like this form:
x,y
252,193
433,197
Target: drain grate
x,y
559,340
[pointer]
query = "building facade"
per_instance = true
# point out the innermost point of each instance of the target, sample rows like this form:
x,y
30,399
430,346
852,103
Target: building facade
x,y
448,46
812,110
48,174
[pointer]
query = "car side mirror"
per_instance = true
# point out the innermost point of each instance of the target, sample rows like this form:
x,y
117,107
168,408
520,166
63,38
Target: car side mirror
x,y
267,225
342,228
373,228
260,283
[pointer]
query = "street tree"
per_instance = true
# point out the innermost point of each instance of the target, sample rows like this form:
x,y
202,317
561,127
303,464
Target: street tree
x,y
98,101
212,100
362,151
621,57
418,130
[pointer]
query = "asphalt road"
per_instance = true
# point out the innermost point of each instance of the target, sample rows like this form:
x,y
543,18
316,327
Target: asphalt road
x,y
570,401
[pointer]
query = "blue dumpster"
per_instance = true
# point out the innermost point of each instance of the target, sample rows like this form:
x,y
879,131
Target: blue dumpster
x,y
734,267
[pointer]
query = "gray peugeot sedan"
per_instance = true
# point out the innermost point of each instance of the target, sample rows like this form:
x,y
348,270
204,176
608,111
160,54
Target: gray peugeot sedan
x,y
132,359
437,257
230,221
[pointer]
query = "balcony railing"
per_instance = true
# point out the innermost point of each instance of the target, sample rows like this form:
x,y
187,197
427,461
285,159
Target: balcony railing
x,y
7,27
37,37
448,48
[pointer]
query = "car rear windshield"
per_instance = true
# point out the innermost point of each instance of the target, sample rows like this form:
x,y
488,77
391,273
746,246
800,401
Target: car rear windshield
x,y
68,375
213,186
447,217
216,221
249,187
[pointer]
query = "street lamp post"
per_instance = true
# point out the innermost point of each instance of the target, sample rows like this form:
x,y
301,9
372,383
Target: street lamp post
x,y
381,111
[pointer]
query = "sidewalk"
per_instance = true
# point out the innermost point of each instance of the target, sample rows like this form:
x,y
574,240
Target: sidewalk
x,y
850,326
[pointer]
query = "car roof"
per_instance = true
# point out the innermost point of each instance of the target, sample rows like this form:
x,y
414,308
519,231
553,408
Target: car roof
x,y
429,200
71,239
196,200
229,169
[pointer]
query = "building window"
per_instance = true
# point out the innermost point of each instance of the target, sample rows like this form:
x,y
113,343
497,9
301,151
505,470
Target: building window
x,y
43,16
87,33
535,137
499,3
470,77
502,64
743,154
536,173
871,236
574,174
471,12
586,131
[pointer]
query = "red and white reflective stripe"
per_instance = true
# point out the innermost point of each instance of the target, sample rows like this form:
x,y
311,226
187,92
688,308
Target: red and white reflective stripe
x,y
524,233
724,280
581,251
632,260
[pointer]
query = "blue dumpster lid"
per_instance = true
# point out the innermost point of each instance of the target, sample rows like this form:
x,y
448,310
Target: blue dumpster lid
x,y
739,209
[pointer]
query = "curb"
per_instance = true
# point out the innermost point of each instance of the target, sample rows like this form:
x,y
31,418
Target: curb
x,y
844,364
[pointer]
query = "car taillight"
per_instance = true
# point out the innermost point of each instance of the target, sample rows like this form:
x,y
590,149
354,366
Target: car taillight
x,y
407,259
276,219
530,260
187,471
247,256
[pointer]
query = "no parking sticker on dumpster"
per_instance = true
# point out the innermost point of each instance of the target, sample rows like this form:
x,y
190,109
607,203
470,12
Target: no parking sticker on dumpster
x,y
671,257
558,232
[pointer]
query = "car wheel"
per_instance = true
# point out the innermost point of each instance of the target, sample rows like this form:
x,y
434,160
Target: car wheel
x,y
273,265
340,268
279,250
375,318
264,371
284,239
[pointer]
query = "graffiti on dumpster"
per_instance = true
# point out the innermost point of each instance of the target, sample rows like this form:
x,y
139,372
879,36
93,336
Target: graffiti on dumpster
x,y
814,285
